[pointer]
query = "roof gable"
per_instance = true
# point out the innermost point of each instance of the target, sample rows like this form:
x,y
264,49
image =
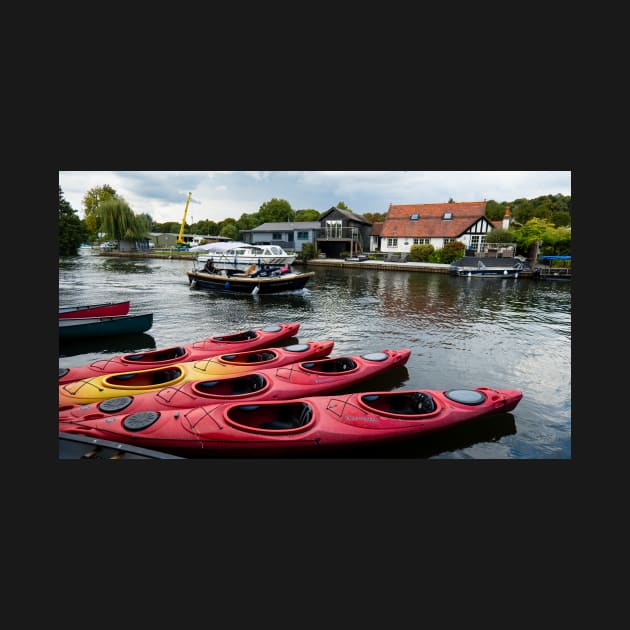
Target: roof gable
x,y
346,213
432,220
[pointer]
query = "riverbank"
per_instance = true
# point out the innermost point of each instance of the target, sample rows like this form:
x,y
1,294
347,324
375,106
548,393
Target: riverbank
x,y
379,264
316,262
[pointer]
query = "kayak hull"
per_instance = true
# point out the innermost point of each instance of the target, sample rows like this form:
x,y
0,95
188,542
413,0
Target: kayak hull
x,y
300,425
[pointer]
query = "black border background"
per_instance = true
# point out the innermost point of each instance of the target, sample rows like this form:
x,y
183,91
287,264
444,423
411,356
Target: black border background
x,y
371,519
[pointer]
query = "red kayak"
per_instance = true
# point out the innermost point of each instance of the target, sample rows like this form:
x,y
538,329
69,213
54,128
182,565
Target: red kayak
x,y
95,310
213,346
301,425
97,388
306,378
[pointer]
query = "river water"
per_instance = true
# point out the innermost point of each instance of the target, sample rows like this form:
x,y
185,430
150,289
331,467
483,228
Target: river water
x,y
462,332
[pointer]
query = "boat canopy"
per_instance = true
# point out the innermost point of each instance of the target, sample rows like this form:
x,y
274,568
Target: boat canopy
x,y
219,247
554,257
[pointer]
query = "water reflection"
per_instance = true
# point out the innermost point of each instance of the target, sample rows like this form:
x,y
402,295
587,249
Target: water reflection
x,y
118,265
441,444
121,344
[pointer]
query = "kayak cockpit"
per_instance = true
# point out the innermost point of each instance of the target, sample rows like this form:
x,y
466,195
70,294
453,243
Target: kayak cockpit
x,y
249,357
284,416
400,403
146,378
244,336
340,364
167,354
236,386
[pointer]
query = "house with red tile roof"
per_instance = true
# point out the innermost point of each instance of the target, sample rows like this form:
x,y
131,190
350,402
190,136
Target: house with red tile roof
x,y
435,224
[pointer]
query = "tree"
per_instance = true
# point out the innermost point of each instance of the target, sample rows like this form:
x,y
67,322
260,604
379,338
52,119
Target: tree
x,y
375,217
205,226
556,242
119,222
229,229
91,202
71,230
275,211
562,218
169,227
499,235
495,211
306,214
145,220
247,221
553,240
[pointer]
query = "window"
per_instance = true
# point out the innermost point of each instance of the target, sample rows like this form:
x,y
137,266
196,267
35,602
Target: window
x,y
302,236
276,236
449,240
334,229
421,241
447,215
477,241
392,242
415,216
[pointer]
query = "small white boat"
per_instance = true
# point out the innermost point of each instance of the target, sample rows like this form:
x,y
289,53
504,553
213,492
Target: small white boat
x,y
237,255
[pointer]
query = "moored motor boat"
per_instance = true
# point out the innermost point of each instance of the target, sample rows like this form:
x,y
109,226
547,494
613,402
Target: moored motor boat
x,y
130,383
95,310
300,425
304,378
251,339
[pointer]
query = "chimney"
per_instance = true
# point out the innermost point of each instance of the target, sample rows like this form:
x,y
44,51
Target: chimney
x,y
506,219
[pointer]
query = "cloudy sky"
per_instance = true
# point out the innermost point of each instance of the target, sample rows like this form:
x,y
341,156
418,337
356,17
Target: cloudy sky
x,y
217,195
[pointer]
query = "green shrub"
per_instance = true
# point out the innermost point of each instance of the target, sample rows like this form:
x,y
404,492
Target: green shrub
x,y
452,251
420,253
308,251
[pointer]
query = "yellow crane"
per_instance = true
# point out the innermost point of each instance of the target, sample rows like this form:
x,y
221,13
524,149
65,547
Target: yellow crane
x,y
180,238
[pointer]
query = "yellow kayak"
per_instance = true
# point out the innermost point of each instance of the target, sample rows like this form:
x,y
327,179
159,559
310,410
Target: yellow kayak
x,y
97,388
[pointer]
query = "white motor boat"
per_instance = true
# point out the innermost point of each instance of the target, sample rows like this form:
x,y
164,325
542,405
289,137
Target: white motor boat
x,y
240,256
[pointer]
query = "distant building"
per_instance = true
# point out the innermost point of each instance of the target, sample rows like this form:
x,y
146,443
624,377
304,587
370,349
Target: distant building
x,y
288,235
335,231
343,231
437,224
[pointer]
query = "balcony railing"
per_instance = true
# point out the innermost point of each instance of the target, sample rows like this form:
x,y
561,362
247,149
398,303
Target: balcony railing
x,y
496,250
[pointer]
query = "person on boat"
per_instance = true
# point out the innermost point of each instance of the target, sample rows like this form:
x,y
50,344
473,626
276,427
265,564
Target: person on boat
x,y
209,266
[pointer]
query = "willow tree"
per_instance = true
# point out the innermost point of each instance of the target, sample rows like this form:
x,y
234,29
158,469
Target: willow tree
x,y
119,222
91,201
